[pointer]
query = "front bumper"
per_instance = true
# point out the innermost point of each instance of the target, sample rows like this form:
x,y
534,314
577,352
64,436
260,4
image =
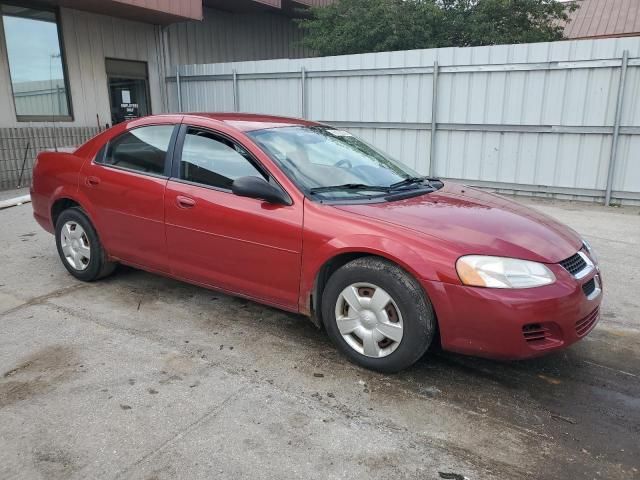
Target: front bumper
x,y
515,324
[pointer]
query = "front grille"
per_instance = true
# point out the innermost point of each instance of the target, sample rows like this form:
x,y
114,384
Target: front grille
x,y
585,325
534,333
589,287
574,264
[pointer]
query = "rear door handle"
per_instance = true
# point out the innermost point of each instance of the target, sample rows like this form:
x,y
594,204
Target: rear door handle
x,y
92,181
185,202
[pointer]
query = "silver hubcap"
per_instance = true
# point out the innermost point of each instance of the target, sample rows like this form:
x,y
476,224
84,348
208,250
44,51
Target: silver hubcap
x,y
75,245
369,320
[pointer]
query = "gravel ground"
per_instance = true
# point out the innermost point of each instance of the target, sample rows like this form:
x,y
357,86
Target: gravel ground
x,y
139,376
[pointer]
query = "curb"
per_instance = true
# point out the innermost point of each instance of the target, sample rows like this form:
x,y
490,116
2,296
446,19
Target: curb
x,y
14,202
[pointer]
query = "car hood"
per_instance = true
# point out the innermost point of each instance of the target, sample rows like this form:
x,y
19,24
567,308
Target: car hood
x,y
475,222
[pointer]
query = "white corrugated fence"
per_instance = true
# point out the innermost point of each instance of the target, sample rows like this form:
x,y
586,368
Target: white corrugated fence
x,y
543,119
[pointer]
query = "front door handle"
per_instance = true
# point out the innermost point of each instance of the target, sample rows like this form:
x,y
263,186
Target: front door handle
x,y
92,181
185,202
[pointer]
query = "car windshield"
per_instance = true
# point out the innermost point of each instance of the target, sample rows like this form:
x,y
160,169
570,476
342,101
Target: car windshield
x,y
330,163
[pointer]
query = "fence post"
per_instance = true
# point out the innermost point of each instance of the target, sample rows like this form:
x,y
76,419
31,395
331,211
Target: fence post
x,y
24,162
236,102
434,123
303,93
616,128
178,88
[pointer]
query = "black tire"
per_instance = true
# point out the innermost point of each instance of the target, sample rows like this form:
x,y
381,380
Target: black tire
x,y
419,323
98,266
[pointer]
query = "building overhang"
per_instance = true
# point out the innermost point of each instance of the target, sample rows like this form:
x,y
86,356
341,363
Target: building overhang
x,y
164,12
161,12
294,8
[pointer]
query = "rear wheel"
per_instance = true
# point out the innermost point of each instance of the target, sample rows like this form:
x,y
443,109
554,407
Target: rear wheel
x,y
79,246
377,314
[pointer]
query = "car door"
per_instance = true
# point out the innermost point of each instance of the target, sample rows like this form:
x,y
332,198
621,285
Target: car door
x,y
242,245
125,184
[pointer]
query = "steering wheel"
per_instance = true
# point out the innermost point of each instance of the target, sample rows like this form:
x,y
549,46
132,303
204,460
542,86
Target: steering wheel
x,y
342,162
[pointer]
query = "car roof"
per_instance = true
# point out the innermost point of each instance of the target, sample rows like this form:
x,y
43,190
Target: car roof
x,y
248,121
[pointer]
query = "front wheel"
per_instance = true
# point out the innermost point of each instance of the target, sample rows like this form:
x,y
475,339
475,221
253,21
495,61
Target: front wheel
x,y
377,314
79,246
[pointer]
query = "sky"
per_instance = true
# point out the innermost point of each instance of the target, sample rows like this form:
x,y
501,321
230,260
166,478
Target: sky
x,y
30,44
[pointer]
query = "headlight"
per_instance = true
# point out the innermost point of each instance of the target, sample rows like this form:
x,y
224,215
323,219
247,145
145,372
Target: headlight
x,y
501,272
592,252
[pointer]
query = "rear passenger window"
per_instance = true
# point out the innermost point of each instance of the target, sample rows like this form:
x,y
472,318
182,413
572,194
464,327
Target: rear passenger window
x,y
212,160
143,149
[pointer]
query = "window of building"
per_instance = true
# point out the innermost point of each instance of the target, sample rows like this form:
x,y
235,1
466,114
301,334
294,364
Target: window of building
x,y
213,160
36,64
143,149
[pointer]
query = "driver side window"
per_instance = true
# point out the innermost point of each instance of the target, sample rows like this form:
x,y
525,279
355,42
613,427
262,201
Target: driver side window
x,y
211,159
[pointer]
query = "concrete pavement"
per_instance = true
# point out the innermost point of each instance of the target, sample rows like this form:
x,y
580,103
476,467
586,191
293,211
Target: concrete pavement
x,y
139,376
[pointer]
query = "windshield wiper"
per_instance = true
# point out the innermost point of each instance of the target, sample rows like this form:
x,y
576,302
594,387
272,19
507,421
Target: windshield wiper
x,y
407,181
433,183
349,186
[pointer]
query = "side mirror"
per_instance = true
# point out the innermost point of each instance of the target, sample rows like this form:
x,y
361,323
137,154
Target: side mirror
x,y
257,187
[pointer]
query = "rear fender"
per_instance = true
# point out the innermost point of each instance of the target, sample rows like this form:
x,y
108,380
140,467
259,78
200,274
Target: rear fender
x,y
74,194
55,174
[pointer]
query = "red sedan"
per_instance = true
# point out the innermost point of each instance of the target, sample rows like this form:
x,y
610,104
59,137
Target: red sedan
x,y
307,218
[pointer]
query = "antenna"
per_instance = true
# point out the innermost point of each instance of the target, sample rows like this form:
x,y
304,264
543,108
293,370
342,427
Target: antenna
x,y
54,91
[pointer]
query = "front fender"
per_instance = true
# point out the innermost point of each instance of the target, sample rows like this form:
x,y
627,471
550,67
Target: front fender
x,y
419,265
